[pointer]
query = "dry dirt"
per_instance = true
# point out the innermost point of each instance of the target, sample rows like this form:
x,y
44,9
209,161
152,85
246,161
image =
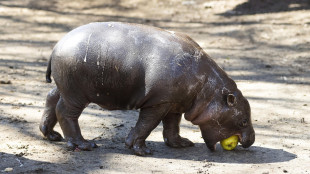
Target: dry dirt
x,y
262,44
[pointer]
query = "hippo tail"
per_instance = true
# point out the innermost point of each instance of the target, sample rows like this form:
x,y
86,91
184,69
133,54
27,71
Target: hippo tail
x,y
48,72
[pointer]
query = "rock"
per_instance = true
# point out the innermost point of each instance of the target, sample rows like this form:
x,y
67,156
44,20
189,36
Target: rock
x,y
6,82
268,66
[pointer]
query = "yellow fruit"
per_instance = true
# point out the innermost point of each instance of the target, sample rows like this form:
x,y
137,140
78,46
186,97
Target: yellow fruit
x,y
230,143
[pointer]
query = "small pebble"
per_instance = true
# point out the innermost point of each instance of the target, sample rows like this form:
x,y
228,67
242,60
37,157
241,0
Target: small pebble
x,y
9,169
268,66
302,120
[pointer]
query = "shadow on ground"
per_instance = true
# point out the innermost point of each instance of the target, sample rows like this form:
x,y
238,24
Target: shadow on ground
x,y
199,152
23,165
252,155
268,6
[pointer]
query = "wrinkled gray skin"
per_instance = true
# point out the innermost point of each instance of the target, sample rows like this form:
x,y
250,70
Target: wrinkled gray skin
x,y
130,66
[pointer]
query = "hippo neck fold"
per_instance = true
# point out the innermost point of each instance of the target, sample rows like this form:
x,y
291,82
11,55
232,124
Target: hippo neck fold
x,y
216,83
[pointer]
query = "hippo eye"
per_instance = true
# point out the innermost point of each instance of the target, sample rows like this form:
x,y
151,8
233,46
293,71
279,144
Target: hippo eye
x,y
244,123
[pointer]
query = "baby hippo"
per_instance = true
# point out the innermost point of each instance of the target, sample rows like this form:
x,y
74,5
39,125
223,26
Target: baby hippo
x,y
129,66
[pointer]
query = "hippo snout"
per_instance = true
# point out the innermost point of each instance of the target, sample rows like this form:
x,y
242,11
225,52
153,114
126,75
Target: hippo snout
x,y
247,139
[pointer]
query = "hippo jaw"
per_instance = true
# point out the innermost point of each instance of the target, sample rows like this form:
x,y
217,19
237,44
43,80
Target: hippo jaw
x,y
211,137
211,146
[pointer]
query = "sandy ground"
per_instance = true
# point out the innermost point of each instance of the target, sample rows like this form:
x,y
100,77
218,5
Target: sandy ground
x,y
263,45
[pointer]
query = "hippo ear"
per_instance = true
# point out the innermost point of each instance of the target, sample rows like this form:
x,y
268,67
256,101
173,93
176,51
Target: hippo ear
x,y
231,100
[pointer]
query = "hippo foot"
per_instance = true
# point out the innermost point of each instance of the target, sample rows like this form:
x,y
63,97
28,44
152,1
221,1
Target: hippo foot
x,y
50,135
178,142
81,145
141,151
138,147
54,136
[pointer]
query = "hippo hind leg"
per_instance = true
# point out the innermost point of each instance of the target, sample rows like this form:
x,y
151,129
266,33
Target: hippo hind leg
x,y
171,132
49,119
67,115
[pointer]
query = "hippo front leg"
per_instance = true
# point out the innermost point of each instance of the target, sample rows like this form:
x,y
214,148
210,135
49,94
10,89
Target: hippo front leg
x,y
67,115
171,132
149,119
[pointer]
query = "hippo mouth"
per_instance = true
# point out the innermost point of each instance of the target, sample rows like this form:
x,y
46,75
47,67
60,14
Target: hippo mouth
x,y
212,146
241,141
246,137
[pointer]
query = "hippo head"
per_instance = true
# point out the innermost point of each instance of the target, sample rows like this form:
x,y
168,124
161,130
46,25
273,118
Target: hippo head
x,y
224,114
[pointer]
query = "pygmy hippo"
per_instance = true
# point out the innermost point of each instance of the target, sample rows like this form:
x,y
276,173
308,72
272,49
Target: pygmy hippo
x,y
129,66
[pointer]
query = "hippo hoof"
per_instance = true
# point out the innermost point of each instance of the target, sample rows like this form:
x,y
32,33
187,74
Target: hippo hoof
x,y
81,145
178,142
50,135
141,151
54,136
138,146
